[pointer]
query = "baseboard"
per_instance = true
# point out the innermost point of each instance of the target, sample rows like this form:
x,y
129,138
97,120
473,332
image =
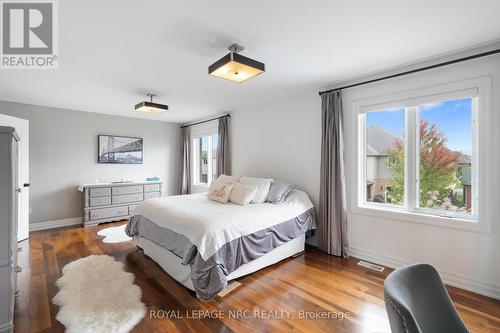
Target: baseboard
x,y
450,278
55,224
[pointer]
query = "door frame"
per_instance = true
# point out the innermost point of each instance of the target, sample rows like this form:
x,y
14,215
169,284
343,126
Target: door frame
x,y
24,209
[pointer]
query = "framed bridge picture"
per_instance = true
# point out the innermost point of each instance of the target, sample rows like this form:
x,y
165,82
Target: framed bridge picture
x,y
114,149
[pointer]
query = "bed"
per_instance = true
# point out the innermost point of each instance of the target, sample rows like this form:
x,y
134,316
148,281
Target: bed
x,y
204,244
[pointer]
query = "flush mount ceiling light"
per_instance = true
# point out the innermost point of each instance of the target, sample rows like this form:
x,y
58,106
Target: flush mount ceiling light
x,y
151,107
235,67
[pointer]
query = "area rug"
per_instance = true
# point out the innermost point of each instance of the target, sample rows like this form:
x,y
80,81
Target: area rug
x,y
114,234
97,295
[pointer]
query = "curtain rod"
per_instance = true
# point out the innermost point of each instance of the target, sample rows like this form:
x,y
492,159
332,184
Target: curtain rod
x,y
206,121
446,63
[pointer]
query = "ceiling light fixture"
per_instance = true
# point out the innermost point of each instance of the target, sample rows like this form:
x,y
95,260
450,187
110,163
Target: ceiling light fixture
x,y
151,107
235,67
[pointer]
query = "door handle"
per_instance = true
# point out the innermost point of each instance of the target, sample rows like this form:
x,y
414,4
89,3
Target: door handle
x,y
27,184
18,190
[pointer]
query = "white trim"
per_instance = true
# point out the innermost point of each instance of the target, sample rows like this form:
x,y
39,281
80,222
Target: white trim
x,y
55,224
481,89
450,278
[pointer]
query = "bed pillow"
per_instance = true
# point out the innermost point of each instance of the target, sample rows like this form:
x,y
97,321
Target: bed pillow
x,y
227,179
279,192
242,194
220,192
262,185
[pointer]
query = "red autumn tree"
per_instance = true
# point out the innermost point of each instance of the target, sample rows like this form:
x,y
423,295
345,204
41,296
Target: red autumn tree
x,y
438,166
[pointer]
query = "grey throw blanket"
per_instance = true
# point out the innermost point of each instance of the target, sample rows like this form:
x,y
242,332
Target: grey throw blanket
x,y
209,276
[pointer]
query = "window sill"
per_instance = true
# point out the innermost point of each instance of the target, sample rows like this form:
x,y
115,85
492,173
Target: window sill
x,y
415,217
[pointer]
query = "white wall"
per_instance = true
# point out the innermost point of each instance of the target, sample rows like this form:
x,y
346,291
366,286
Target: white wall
x,y
63,154
282,140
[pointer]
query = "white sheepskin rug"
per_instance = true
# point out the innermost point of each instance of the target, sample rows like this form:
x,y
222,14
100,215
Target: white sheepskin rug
x,y
114,234
96,295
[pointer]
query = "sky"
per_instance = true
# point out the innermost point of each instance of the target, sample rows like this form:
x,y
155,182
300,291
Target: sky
x,y
204,142
453,118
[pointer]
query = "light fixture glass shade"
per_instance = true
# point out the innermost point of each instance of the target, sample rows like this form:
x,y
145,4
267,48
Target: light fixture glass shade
x,y
235,67
151,107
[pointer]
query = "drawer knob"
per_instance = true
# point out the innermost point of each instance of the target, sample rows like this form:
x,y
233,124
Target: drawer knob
x,y
18,269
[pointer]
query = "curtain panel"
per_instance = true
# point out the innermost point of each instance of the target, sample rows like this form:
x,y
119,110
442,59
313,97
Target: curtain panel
x,y
185,162
332,228
223,153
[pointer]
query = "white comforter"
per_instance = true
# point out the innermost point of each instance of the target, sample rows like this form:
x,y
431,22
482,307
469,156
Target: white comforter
x,y
209,224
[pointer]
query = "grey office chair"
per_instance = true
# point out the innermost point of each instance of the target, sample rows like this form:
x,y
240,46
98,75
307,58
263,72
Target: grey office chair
x,y
416,301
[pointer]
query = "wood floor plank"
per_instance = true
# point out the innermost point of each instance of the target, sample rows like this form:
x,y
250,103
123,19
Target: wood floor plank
x,y
40,316
309,283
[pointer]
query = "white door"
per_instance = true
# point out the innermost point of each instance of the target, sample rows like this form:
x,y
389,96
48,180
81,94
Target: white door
x,y
22,128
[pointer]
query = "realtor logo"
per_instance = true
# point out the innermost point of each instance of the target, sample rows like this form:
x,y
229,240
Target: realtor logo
x,y
29,34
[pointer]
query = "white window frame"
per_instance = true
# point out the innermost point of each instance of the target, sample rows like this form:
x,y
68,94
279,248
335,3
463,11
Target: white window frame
x,y
203,130
480,90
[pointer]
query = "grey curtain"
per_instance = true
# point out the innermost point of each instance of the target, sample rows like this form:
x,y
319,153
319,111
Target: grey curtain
x,y
185,165
223,154
332,228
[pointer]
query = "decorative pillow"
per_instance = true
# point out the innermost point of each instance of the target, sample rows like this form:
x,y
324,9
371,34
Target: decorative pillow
x,y
220,192
242,194
262,185
228,179
279,192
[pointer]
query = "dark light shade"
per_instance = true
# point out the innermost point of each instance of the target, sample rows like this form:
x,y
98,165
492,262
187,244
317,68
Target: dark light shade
x,y
151,107
235,67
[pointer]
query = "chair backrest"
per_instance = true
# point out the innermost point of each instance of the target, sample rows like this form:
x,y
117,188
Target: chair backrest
x,y
416,301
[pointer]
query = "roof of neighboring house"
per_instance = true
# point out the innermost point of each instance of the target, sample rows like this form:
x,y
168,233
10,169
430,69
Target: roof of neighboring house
x,y
465,159
378,140
465,177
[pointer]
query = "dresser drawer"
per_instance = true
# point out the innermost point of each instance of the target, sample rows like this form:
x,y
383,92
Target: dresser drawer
x,y
119,199
96,214
151,195
100,201
131,209
100,191
152,188
127,189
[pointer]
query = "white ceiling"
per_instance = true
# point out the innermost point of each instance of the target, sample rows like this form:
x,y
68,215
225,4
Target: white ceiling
x,y
111,53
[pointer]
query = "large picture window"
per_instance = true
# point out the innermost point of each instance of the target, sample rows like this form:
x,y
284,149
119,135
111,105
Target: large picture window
x,y
421,156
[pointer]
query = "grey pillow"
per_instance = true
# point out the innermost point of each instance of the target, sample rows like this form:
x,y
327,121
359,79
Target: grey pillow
x,y
279,192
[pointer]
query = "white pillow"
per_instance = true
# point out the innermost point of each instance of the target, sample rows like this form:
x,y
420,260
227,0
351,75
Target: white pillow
x,y
242,194
227,179
219,192
262,184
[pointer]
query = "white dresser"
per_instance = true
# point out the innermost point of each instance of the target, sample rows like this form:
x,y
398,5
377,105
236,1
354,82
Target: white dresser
x,y
8,225
106,202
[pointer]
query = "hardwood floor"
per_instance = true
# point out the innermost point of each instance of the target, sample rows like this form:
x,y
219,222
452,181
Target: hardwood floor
x,y
311,282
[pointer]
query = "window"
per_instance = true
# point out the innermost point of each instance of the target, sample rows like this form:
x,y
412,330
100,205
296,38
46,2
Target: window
x,y
215,140
204,159
384,147
420,156
445,179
